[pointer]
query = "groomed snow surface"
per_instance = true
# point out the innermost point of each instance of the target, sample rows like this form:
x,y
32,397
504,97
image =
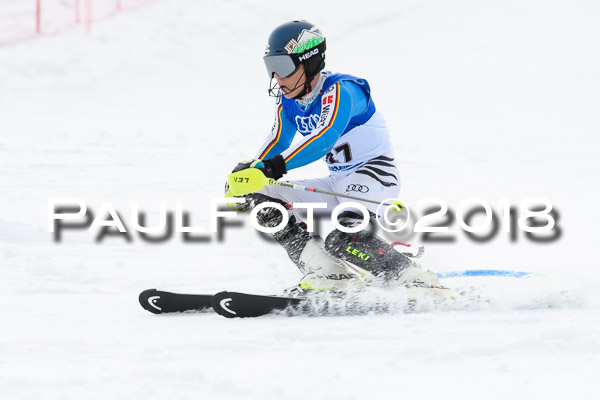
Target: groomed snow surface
x,y
495,99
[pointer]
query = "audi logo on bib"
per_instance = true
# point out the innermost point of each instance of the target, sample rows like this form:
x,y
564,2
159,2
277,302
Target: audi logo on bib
x,y
357,188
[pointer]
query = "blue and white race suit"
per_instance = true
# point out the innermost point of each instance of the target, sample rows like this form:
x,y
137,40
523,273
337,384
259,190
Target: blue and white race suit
x,y
338,122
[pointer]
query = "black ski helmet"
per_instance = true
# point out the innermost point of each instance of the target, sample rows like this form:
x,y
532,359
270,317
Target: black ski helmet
x,y
292,44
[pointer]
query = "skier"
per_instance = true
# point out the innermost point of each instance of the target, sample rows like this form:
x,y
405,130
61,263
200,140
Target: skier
x,y
329,116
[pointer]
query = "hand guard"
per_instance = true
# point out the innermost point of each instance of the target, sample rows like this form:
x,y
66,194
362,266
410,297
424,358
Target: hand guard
x,y
241,207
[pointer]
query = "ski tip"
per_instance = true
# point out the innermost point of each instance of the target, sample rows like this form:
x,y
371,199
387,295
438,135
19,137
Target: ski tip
x,y
150,301
244,305
221,303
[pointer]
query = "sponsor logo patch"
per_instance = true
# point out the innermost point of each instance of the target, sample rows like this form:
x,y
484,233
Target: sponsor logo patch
x,y
307,124
357,188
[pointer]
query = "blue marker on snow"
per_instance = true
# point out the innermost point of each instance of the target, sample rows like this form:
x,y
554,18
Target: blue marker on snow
x,y
485,272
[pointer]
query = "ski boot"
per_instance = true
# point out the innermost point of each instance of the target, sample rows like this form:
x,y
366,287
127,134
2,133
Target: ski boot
x,y
394,270
324,272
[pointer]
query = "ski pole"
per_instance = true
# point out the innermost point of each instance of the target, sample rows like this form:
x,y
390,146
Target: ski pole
x,y
252,180
273,182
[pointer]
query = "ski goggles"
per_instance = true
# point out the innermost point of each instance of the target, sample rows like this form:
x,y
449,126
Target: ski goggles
x,y
283,65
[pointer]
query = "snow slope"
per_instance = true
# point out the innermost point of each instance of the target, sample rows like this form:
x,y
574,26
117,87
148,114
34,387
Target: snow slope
x,y
492,99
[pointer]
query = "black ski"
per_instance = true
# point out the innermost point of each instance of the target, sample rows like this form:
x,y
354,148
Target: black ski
x,y
159,302
241,305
